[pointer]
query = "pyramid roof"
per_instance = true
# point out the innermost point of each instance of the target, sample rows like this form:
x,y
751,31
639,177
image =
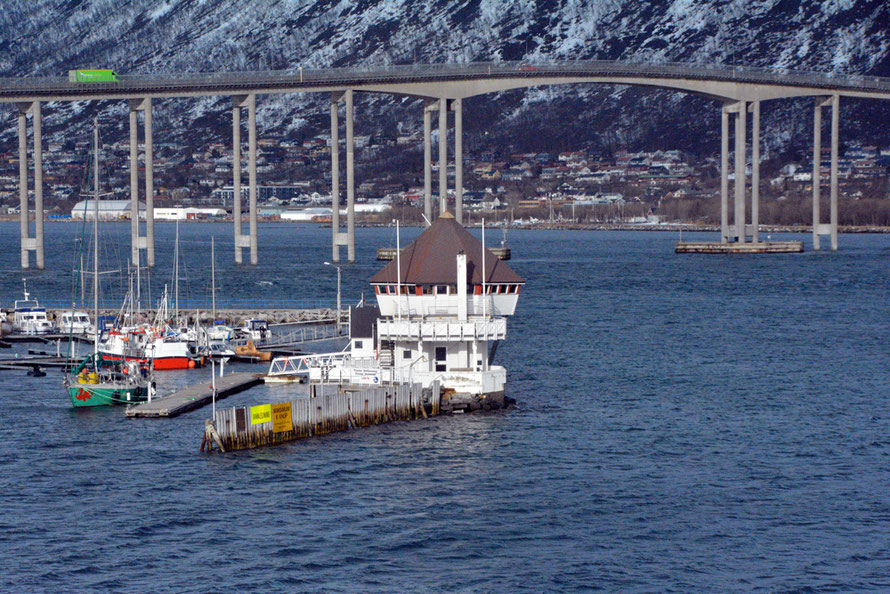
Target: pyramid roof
x,y
432,258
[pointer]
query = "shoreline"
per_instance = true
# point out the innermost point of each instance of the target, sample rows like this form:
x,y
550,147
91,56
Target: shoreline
x,y
541,225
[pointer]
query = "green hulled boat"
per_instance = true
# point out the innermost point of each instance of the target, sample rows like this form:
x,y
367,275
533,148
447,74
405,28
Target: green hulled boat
x,y
98,382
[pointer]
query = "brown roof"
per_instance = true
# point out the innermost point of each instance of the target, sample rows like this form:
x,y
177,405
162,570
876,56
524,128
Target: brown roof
x,y
431,258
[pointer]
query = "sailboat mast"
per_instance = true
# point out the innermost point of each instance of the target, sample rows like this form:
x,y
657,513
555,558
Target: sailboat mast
x,y
96,234
213,276
176,276
398,274
484,288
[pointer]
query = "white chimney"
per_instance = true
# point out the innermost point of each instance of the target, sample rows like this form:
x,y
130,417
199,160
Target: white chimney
x,y
462,287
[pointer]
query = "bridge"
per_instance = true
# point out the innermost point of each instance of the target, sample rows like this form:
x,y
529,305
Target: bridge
x,y
442,87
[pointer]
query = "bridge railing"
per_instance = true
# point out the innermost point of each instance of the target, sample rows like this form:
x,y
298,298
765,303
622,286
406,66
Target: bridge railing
x,y
368,73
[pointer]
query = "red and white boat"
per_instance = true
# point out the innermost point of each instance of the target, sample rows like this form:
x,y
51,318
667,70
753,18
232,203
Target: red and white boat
x,y
151,346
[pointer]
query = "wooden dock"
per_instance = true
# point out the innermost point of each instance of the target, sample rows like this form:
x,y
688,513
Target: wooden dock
x,y
716,247
194,396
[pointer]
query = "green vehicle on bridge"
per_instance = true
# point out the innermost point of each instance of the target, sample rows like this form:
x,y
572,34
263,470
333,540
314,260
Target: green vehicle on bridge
x,y
92,76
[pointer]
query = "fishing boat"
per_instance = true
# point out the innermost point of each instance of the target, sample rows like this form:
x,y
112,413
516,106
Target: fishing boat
x,y
97,381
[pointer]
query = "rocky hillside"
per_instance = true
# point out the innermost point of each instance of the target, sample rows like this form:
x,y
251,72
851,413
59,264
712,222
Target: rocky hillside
x,y
48,37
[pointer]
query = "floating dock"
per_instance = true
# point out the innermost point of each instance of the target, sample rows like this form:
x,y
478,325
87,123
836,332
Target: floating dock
x,y
34,362
194,396
716,247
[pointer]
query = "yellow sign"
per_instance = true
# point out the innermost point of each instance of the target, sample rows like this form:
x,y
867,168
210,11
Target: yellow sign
x,y
260,414
281,419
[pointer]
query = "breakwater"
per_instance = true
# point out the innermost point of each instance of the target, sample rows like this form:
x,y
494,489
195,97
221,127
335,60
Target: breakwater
x,y
328,409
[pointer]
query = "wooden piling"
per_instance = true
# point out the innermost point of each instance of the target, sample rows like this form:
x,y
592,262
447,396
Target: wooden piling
x,y
329,409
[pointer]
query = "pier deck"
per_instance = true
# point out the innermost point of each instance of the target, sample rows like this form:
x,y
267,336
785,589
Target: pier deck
x,y
763,247
194,396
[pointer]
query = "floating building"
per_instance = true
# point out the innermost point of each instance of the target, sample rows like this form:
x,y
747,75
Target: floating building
x,y
442,308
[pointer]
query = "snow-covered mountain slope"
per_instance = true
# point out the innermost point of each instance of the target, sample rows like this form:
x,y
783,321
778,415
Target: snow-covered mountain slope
x,y
48,37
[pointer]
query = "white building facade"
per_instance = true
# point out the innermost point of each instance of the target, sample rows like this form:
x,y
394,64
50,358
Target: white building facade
x,y
443,305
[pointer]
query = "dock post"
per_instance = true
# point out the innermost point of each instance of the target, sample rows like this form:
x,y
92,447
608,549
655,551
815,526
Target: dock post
x,y
835,125
38,182
335,175
251,151
457,106
428,160
237,104
739,169
134,182
724,174
350,179
817,169
755,171
24,217
149,185
443,155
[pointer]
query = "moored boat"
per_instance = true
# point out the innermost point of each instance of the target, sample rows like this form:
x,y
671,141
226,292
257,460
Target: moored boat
x,y
29,317
99,382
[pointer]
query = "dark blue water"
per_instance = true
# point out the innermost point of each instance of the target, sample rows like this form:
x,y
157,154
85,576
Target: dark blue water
x,y
685,423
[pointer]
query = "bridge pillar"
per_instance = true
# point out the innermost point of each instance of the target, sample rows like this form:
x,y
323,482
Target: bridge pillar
x,y
350,179
149,185
237,103
835,125
134,181
443,155
724,174
29,243
755,171
251,164
457,107
336,242
37,123
428,108
141,242
739,169
817,169
819,228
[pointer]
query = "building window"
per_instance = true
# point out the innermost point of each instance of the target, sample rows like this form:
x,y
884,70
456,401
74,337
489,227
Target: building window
x,y
406,354
441,289
358,344
441,354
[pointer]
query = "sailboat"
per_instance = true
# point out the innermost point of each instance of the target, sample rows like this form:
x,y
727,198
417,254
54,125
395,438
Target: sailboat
x,y
97,381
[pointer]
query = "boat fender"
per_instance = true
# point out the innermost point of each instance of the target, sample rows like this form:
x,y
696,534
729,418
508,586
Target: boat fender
x,y
191,364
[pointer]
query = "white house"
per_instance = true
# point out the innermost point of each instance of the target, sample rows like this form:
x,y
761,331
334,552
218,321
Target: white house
x,y
442,309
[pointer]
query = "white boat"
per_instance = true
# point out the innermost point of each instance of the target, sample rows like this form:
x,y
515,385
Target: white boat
x,y
29,318
216,350
254,330
75,322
